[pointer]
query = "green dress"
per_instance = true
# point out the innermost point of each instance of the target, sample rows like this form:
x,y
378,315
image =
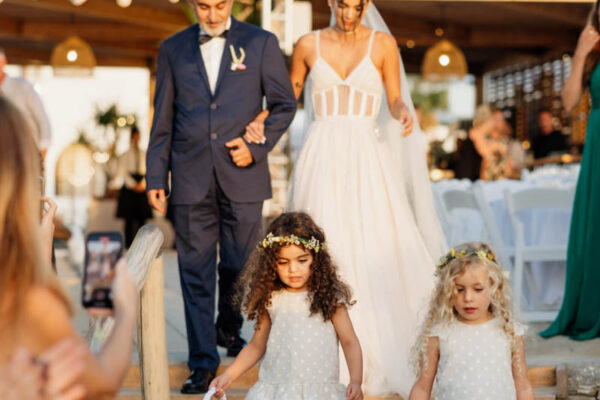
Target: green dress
x,y
579,315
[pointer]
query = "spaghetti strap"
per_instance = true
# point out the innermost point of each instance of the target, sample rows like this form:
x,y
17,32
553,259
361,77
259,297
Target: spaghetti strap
x,y
370,42
318,47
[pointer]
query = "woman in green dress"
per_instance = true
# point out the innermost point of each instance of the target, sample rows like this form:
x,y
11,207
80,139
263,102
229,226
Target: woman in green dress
x,y
578,317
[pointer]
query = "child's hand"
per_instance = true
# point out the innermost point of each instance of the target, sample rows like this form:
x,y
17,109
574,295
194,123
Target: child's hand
x,y
221,383
354,392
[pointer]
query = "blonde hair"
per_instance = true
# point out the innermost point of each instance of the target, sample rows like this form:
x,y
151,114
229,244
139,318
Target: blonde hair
x,y
483,113
22,260
441,306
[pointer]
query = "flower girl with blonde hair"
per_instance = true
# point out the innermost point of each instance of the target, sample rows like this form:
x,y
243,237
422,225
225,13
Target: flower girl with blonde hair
x,y
470,346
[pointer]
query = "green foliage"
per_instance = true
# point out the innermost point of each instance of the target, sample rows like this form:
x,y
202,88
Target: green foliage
x,y
187,10
438,157
430,101
83,139
108,117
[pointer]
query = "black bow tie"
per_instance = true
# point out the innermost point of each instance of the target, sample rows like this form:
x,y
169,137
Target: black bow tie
x,y
203,38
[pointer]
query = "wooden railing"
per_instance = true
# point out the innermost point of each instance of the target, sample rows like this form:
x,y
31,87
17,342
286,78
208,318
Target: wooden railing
x,y
145,264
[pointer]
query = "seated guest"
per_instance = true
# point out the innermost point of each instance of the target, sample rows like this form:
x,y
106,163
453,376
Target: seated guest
x,y
516,158
34,309
490,143
548,140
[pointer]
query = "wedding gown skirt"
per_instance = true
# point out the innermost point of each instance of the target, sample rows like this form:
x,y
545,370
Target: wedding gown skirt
x,y
344,179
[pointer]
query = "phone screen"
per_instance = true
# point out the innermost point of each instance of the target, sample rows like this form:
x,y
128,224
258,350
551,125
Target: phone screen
x,y
102,250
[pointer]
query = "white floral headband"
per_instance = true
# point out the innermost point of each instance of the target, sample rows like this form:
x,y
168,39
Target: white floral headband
x,y
312,244
453,255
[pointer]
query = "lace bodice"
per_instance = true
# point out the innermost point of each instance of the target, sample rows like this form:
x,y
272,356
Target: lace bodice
x,y
359,95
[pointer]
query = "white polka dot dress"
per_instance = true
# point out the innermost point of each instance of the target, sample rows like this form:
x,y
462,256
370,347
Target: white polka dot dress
x,y
475,361
301,361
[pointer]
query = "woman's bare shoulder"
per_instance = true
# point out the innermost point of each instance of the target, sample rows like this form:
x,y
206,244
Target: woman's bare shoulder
x,y
45,316
307,42
386,41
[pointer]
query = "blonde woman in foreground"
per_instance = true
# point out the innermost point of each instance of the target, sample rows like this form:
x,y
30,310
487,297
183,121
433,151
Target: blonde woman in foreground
x,y
470,345
35,313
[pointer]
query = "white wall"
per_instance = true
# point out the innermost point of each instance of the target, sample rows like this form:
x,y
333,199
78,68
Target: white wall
x,y
71,103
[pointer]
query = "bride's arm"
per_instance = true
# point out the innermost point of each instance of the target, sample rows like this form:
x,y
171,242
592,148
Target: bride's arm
x,y
391,80
305,45
299,69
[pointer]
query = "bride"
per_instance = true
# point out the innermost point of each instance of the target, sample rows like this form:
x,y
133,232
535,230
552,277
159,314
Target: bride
x,y
366,185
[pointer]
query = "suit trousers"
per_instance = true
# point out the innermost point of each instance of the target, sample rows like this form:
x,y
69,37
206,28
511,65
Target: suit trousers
x,y
199,227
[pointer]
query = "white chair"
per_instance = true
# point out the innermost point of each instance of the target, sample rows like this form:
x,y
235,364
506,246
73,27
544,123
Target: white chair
x,y
504,252
473,199
525,253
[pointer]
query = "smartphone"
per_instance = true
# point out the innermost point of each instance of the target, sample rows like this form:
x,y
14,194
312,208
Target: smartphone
x,y
102,251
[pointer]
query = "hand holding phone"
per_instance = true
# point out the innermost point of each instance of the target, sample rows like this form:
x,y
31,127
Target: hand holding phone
x,y
124,295
102,251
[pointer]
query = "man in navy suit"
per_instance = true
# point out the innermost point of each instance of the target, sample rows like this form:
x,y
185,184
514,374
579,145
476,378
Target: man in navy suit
x,y
211,81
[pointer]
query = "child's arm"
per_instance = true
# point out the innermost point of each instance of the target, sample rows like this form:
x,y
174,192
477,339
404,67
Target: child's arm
x,y
249,356
352,351
519,370
421,390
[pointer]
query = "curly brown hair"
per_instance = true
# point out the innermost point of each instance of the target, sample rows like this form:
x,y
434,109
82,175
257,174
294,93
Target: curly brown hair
x,y
259,279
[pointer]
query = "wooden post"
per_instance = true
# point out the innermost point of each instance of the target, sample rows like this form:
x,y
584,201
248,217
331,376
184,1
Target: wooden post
x,y
145,265
152,340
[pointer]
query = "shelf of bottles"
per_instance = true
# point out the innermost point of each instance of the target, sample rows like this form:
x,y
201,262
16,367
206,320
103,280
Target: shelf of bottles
x,y
523,90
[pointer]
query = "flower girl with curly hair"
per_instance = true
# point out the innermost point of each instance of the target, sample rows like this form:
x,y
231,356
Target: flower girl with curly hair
x,y
470,346
292,289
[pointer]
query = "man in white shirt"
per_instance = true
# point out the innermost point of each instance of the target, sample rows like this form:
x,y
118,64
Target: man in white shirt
x,y
22,94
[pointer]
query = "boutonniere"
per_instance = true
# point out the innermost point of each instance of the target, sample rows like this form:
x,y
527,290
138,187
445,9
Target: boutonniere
x,y
237,63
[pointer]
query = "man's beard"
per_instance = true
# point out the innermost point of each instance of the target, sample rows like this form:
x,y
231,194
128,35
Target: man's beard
x,y
215,31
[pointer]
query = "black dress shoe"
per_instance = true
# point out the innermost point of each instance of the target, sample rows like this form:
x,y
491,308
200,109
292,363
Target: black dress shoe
x,y
198,381
231,341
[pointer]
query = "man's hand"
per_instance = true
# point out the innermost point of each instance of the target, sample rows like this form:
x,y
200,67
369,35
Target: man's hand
x,y
239,152
157,199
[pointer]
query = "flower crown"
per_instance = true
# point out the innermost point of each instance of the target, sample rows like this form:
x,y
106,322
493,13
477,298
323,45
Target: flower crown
x,y
485,255
312,244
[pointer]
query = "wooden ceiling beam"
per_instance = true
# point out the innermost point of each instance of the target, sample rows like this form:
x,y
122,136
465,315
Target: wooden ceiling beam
x,y
487,1
422,32
171,21
109,34
25,56
123,47
563,13
9,25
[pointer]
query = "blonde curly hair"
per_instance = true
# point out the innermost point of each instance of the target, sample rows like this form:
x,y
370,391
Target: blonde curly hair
x,y
441,306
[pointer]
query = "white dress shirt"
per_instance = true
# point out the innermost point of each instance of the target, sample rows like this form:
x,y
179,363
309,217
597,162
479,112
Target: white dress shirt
x,y
212,52
22,94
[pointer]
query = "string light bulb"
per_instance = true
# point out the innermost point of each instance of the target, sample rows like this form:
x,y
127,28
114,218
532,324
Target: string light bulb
x,y
123,3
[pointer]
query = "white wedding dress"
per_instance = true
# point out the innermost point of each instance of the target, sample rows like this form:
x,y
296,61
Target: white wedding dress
x,y
345,178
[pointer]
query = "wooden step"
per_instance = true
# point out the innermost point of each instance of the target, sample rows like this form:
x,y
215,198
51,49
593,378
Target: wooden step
x,y
178,373
232,394
546,393
541,376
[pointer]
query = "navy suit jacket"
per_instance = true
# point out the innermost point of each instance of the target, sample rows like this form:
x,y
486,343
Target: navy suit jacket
x,y
191,125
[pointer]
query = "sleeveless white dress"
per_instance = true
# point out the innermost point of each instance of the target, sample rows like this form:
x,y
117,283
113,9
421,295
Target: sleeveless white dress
x,y
343,180
475,361
301,361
